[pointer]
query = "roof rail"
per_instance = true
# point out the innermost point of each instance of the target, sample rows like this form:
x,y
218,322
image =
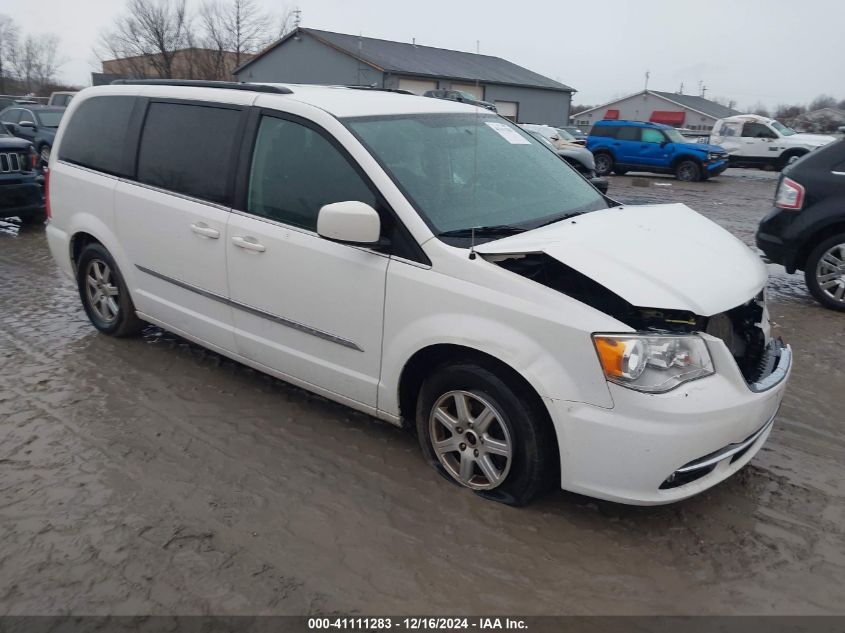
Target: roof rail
x,y
193,83
396,90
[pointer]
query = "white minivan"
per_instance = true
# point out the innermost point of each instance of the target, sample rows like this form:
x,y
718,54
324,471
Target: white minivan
x,y
428,263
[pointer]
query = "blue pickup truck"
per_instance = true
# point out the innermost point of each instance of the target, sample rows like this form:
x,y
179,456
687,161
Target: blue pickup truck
x,y
623,146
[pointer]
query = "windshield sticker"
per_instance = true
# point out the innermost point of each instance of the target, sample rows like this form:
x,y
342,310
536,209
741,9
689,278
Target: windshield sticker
x,y
508,133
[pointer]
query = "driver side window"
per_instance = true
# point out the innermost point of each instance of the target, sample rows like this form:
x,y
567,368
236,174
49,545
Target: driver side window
x,y
757,130
652,136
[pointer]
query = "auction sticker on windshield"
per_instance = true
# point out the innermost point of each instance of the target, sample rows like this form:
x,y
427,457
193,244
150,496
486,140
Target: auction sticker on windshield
x,y
508,133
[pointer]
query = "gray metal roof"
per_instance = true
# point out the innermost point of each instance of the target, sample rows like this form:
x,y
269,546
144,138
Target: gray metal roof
x,y
694,102
427,61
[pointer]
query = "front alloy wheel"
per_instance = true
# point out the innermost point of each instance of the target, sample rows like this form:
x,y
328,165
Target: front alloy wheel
x,y
470,440
604,164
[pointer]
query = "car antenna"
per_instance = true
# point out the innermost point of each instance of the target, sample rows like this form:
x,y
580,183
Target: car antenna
x,y
472,243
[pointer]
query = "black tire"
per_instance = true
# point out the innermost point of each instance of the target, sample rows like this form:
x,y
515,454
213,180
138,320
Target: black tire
x,y
604,164
827,297
532,467
124,322
788,157
688,171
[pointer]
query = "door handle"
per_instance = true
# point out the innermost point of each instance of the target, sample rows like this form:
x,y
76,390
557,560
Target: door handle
x,y
201,228
248,243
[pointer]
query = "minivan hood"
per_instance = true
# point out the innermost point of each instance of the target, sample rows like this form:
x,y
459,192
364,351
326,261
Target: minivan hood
x,y
655,256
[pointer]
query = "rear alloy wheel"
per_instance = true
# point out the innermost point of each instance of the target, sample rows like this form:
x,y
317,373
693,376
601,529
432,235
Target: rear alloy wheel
x,y
483,431
44,154
604,164
104,294
824,272
688,171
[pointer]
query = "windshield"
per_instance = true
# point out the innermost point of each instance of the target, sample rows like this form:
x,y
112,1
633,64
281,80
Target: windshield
x,y
464,171
564,135
50,119
780,127
674,136
466,95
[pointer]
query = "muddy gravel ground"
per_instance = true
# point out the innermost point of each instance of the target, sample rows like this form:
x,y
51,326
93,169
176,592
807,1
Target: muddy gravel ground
x,y
149,476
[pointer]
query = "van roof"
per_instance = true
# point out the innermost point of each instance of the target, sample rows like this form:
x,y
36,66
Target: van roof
x,y
632,123
340,101
746,118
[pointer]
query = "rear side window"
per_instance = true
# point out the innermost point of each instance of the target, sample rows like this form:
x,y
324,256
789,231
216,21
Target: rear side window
x,y
628,134
604,130
189,149
296,171
95,136
757,130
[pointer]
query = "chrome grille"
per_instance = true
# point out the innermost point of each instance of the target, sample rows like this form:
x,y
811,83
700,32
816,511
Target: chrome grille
x,y
11,162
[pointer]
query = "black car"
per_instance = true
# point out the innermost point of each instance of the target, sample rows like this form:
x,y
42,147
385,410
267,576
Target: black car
x,y
35,123
20,181
806,229
461,96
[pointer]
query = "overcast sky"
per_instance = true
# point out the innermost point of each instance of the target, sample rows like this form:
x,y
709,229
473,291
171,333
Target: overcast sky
x,y
773,51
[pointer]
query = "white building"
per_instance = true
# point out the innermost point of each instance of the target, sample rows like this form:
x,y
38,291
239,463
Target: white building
x,y
678,110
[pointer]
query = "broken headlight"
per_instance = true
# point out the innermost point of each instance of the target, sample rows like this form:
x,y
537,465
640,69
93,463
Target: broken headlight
x,y
652,363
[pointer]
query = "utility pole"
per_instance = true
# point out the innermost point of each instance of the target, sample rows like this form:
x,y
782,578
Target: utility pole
x,y
297,18
647,75
681,91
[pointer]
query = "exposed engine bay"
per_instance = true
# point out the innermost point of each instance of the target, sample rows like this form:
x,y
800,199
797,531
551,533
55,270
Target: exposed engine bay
x,y
744,329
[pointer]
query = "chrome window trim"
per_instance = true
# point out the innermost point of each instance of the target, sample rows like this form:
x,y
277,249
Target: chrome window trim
x,y
177,194
728,451
88,169
838,173
295,325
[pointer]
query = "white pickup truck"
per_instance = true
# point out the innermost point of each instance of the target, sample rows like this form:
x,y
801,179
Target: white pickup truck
x,y
758,141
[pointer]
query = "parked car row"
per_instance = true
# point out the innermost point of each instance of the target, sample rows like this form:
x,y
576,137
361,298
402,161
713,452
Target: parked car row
x,y
20,179
35,123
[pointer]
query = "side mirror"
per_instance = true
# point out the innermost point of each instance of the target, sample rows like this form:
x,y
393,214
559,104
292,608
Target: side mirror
x,y
350,222
27,124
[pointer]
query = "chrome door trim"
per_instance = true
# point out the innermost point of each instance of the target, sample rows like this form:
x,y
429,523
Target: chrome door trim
x,y
295,325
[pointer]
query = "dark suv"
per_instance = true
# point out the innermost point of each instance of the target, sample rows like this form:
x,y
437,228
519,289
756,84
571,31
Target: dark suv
x,y
20,180
806,229
460,95
623,146
35,123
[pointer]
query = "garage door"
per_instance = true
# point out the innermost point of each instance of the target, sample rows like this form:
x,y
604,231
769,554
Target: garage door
x,y
475,91
508,109
417,86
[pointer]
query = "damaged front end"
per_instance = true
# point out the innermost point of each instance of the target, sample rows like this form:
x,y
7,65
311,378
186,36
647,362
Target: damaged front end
x,y
745,329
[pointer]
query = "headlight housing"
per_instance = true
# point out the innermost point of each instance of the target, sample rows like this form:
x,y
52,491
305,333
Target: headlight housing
x,y
713,156
652,363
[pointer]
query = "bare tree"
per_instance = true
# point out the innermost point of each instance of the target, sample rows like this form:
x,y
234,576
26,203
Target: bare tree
x,y
8,44
822,101
148,37
759,109
35,61
237,26
579,108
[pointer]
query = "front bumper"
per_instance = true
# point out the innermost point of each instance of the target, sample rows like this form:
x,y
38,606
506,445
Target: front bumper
x,y
20,199
717,167
637,452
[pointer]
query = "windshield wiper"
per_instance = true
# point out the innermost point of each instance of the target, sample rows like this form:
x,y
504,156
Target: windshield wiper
x,y
565,216
484,231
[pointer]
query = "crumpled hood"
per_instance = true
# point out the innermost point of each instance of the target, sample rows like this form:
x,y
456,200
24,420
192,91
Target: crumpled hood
x,y
653,256
704,147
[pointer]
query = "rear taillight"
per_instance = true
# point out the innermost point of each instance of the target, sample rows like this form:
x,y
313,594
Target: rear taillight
x,y
790,195
33,157
47,193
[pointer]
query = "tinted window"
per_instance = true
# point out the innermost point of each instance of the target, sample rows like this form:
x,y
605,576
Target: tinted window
x,y
95,136
295,171
757,130
604,130
26,115
188,149
628,134
650,135
11,116
50,118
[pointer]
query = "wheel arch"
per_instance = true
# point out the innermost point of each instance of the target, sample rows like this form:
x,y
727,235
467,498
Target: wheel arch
x,y
682,157
427,359
810,242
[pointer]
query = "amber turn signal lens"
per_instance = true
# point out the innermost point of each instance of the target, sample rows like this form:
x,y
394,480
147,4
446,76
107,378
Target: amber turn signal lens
x,y
611,354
